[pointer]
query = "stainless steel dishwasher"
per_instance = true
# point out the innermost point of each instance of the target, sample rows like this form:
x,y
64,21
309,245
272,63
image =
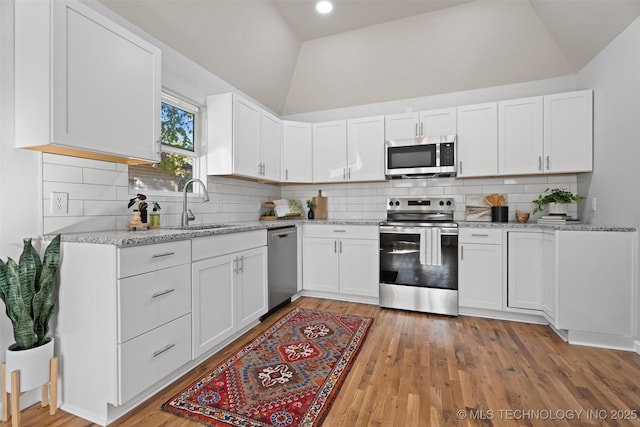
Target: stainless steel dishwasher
x,y
282,253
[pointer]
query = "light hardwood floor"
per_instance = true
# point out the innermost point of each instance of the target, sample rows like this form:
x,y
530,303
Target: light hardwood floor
x,y
416,369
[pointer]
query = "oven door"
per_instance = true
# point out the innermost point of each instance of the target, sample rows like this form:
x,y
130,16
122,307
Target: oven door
x,y
419,256
410,157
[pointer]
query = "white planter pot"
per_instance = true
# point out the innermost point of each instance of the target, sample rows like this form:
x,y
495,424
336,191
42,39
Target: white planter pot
x,y
33,365
558,208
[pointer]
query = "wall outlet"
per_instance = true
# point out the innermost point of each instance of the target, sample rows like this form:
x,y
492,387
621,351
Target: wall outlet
x,y
59,203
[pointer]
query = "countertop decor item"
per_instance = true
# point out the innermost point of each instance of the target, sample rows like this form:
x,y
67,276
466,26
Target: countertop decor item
x,y
312,206
321,206
288,376
27,290
555,196
522,217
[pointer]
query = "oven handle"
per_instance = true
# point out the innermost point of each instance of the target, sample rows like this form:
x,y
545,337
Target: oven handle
x,y
387,229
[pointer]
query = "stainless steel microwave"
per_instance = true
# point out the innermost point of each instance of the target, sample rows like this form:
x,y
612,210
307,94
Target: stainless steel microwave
x,y
421,157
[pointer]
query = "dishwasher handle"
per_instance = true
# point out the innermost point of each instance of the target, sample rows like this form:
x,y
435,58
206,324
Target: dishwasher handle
x,y
283,234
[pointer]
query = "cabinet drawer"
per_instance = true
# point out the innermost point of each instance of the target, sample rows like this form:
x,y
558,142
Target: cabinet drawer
x,y
212,246
480,235
341,231
142,259
153,299
150,357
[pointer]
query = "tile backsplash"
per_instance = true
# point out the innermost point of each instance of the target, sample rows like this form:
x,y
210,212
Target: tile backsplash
x,y
98,195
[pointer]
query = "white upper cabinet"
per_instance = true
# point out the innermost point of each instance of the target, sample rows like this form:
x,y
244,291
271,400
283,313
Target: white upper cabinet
x,y
270,143
520,147
402,126
568,132
365,149
84,86
330,151
296,152
478,140
242,139
425,123
438,122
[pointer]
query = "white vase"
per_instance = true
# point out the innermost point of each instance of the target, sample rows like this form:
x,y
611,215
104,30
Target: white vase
x,y
33,364
558,208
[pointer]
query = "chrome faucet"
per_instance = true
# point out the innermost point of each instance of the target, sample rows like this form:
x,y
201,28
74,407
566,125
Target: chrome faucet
x,y
187,215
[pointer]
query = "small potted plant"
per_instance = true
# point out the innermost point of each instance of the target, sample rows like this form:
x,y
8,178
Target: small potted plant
x,y
27,289
557,199
311,205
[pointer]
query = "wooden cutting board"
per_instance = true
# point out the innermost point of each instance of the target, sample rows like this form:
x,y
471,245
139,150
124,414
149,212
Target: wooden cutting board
x,y
320,212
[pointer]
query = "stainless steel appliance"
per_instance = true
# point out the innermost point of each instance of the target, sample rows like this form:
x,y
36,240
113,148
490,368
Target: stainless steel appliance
x,y
282,253
419,256
420,157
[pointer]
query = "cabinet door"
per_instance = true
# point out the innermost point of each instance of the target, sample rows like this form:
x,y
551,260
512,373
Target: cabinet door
x,y
251,285
320,265
401,126
296,152
568,132
525,271
520,136
365,154
213,303
480,276
549,273
104,82
330,151
359,272
478,140
270,143
246,138
438,122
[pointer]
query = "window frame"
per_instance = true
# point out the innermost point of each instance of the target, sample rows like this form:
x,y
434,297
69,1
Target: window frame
x,y
199,167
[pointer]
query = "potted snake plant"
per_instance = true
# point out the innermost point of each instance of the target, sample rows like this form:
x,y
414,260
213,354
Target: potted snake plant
x,y
27,289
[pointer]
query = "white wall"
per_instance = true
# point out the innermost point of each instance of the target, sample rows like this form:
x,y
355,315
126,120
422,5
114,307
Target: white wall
x,y
20,178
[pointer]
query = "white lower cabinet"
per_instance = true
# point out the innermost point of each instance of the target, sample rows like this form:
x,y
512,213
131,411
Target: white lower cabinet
x,y
342,260
229,286
480,264
549,273
525,273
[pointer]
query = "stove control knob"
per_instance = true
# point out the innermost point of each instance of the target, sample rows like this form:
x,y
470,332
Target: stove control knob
x,y
397,203
441,203
390,202
448,202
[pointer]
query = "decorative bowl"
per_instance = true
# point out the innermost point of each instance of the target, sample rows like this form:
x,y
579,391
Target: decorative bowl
x,y
522,217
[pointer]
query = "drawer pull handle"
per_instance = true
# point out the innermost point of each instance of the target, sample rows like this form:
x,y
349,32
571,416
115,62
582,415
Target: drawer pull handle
x,y
339,231
479,235
162,254
165,292
159,352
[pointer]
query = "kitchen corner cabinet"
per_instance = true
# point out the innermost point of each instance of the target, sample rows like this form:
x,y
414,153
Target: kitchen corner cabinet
x,y
520,142
124,322
341,260
229,286
242,139
422,124
84,86
478,140
480,263
296,152
568,132
596,288
349,150
525,272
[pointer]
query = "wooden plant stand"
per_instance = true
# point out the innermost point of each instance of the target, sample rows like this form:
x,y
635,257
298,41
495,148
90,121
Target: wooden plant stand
x,y
49,389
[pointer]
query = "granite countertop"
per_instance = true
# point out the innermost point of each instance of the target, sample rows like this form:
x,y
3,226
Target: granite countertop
x,y
533,225
169,234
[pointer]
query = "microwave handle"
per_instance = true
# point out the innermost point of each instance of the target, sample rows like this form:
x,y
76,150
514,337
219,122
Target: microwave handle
x,y
417,129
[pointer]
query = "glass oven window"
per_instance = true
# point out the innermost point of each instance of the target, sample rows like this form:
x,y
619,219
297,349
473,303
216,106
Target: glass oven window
x,y
413,156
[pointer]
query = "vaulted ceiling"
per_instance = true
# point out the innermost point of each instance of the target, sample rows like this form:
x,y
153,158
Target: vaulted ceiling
x,y
284,55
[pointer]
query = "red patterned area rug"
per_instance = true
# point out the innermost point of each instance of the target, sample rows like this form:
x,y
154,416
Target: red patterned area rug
x,y
288,376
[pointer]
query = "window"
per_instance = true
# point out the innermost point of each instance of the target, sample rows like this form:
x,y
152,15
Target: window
x,y
178,154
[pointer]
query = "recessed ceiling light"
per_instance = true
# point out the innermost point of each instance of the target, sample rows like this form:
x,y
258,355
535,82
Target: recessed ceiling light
x,y
324,7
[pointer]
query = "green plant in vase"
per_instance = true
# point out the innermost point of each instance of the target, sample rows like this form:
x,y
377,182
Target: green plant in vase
x,y
556,195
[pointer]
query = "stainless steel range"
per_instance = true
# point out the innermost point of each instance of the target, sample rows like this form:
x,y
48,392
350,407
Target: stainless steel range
x,y
419,256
